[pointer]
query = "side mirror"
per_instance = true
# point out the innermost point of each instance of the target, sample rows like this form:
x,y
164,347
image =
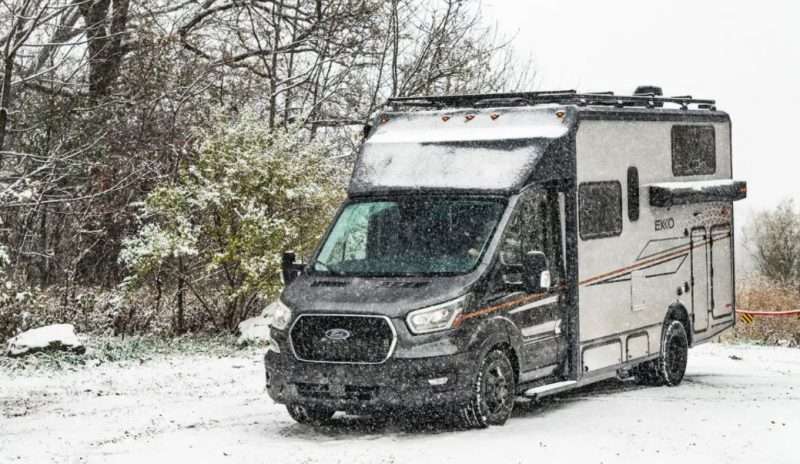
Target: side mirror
x,y
512,271
290,269
536,272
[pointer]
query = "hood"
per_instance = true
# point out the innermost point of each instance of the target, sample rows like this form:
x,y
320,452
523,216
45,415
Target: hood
x,y
388,296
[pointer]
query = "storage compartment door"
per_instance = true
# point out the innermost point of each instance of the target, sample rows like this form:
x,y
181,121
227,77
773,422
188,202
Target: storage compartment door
x,y
600,356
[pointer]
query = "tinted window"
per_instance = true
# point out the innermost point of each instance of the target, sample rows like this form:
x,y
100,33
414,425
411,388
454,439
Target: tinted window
x,y
633,194
535,226
600,209
693,150
414,235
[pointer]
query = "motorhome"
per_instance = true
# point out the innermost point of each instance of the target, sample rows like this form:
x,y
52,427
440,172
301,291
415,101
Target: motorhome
x,y
512,245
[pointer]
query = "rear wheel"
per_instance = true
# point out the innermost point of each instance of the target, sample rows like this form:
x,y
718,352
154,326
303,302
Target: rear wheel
x,y
494,391
303,414
670,366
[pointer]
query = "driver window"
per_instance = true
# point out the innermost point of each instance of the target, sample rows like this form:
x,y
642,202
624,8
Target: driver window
x,y
536,226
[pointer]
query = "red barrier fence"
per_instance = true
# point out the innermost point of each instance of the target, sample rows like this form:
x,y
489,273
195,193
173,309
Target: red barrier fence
x,y
747,316
794,312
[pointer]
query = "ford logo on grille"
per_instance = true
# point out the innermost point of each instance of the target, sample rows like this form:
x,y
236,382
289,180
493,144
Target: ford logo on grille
x,y
337,334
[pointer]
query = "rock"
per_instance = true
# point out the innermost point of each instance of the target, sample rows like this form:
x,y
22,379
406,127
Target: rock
x,y
57,337
253,330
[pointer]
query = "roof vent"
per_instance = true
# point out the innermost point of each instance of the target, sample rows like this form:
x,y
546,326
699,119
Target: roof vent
x,y
648,90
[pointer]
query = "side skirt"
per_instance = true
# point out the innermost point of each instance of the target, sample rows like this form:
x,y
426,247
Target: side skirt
x,y
597,376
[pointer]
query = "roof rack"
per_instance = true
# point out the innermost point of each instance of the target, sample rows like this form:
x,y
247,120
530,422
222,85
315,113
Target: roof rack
x,y
563,97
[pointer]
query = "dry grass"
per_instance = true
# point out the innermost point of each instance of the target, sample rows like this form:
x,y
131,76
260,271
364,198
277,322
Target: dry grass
x,y
760,295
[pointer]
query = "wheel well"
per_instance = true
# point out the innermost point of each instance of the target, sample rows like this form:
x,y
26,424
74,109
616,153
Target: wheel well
x,y
679,313
512,356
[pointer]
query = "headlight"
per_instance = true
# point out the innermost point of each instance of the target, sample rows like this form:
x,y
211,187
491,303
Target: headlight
x,y
280,315
273,345
435,318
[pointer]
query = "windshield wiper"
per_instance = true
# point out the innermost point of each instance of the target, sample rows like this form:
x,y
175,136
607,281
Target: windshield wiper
x,y
327,268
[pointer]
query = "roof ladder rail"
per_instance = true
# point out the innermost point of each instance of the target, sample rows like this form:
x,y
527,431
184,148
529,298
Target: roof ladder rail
x,y
562,97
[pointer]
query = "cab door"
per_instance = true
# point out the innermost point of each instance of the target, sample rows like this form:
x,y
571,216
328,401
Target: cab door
x,y
536,226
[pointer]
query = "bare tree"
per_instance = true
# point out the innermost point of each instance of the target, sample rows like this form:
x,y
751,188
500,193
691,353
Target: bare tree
x,y
774,239
100,101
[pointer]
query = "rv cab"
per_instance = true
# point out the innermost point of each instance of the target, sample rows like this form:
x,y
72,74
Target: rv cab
x,y
495,246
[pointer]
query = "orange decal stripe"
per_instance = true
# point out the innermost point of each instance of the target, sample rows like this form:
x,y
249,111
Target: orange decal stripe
x,y
655,260
507,304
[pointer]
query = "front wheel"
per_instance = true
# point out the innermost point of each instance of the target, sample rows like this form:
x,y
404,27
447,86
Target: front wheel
x,y
494,393
303,414
670,366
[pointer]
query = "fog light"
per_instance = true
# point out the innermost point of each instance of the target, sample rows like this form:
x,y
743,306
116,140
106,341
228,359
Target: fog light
x,y
437,382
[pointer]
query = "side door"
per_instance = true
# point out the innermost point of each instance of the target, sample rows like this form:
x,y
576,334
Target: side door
x,y
722,288
536,226
701,303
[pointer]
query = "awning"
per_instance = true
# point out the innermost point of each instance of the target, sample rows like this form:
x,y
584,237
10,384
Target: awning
x,y
683,193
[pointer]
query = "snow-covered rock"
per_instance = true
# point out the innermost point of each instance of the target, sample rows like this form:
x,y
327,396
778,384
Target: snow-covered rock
x,y
255,329
60,337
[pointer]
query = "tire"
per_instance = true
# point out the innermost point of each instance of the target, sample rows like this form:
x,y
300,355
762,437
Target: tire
x,y
494,391
309,415
670,366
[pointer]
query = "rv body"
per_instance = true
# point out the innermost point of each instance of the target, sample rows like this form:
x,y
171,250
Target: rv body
x,y
561,238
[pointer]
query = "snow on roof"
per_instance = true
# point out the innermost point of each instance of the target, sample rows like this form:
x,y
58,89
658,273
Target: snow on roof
x,y
484,124
492,149
698,185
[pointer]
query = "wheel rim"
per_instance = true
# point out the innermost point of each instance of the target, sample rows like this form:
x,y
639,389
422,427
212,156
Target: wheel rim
x,y
301,411
676,358
497,388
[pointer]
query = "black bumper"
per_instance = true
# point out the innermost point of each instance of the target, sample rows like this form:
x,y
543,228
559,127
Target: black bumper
x,y
398,383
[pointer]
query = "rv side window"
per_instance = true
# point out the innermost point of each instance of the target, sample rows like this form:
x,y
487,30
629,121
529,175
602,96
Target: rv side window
x,y
693,150
633,194
600,209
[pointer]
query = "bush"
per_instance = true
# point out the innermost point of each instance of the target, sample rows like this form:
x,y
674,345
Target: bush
x,y
210,241
761,294
17,301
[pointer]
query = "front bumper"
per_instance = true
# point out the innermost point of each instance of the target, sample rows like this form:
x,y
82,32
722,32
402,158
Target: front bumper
x,y
398,383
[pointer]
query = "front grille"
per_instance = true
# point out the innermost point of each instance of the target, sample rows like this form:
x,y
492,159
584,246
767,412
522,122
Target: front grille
x,y
320,338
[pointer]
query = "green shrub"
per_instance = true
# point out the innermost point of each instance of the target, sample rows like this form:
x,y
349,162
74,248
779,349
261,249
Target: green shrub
x,y
210,240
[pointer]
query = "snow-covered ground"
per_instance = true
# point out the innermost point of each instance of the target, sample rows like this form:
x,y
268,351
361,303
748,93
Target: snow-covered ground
x,y
204,409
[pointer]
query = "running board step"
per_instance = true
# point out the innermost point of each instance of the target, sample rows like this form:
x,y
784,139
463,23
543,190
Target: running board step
x,y
551,389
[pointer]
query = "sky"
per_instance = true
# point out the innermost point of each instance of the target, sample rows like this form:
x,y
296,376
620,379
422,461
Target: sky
x,y
745,55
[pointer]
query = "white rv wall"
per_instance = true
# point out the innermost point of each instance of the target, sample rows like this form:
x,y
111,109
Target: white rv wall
x,y
640,296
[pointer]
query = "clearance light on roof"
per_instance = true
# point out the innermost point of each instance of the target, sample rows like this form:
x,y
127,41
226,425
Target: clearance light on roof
x,y
445,118
560,114
494,116
469,117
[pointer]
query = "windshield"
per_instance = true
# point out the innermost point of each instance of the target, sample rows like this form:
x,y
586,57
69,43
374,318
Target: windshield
x,y
409,236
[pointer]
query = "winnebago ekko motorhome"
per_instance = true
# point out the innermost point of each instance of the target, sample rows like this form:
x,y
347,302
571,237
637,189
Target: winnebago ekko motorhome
x,y
496,246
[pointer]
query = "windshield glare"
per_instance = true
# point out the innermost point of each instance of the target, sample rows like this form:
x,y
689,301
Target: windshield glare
x,y
409,236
